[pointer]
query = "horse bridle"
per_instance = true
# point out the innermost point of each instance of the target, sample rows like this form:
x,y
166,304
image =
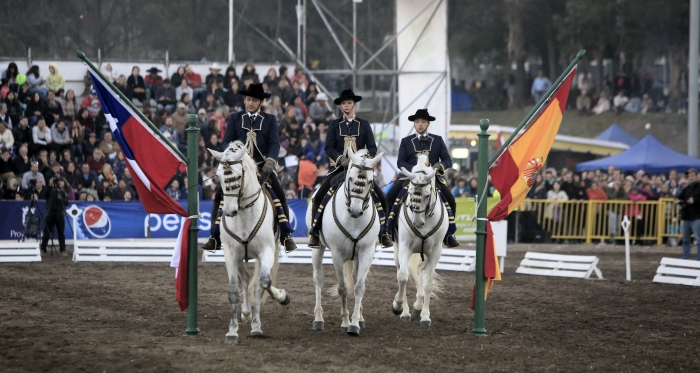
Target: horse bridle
x,y
359,186
232,183
417,192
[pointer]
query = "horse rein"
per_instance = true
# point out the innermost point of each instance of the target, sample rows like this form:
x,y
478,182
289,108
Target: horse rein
x,y
232,183
418,188
429,212
359,186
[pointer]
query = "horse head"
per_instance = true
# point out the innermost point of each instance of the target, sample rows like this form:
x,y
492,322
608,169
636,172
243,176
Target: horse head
x,y
359,180
421,190
235,172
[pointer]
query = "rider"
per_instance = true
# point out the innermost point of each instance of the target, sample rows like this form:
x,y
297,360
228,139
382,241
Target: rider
x,y
348,132
258,131
438,156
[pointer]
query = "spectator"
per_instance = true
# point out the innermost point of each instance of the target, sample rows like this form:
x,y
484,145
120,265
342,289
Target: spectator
x,y
202,120
70,105
153,81
12,190
214,143
35,82
98,116
6,167
21,163
165,96
106,173
85,175
127,196
210,104
249,73
72,174
86,121
90,189
307,175
96,160
38,191
87,101
77,135
55,81
318,109
119,165
7,140
60,137
298,92
136,86
14,108
177,78
647,104
540,86
316,148
35,108
195,81
603,104
121,189
271,78
169,131
283,73
214,74
229,77
183,88
105,190
460,190
122,86
538,191
5,116
11,73
186,100
232,98
110,74
554,209
583,103
174,191
90,145
32,174
299,78
619,102
282,90
41,135
180,119
108,146
690,212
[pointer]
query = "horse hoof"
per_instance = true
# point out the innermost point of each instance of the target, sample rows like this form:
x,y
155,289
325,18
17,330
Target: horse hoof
x,y
286,300
256,334
415,313
406,318
318,325
362,324
425,323
395,312
353,331
231,339
343,329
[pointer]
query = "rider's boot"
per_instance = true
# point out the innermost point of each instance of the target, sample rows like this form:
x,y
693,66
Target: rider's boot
x,y
287,241
385,237
314,241
451,241
214,241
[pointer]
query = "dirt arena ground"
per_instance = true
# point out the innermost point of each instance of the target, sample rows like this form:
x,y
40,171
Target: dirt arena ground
x,y
60,316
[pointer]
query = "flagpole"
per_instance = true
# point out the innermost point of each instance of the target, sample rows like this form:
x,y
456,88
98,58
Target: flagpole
x,y
483,172
537,107
193,211
133,107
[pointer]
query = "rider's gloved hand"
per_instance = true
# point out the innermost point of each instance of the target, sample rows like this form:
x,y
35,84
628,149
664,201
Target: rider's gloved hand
x,y
268,168
439,168
344,162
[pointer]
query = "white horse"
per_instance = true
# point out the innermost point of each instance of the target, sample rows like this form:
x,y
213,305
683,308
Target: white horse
x,y
350,227
247,233
423,223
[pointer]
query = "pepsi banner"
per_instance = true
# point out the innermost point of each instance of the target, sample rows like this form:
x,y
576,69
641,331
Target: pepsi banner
x,y
115,220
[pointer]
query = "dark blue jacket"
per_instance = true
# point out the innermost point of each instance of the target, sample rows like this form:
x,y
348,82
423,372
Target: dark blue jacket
x,y
411,147
337,131
265,127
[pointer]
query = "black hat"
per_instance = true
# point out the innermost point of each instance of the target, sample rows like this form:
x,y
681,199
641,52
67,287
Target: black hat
x,y
255,90
421,114
347,94
154,70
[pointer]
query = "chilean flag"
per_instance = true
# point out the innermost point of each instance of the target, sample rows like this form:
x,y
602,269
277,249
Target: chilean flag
x,y
152,164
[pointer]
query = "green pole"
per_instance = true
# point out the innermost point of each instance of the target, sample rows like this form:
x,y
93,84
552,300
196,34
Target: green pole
x,y
133,107
483,170
193,210
537,107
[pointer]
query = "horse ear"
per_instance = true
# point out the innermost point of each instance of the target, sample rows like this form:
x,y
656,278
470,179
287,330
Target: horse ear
x,y
351,154
431,172
378,157
215,154
406,172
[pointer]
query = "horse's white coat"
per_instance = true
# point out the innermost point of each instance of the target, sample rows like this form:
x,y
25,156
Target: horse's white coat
x,y
263,246
409,243
341,247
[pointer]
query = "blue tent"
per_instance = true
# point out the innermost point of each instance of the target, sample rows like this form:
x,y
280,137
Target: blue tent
x,y
649,155
617,134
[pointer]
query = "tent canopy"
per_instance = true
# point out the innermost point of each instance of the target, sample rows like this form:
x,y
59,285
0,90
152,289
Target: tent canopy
x,y
649,155
616,134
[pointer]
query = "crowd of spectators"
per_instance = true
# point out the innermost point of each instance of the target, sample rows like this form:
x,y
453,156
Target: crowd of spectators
x,y
47,132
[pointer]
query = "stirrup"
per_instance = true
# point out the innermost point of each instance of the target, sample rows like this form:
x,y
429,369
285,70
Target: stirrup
x,y
386,240
213,241
314,242
290,241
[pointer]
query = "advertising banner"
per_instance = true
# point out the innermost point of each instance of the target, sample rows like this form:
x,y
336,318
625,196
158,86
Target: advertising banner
x,y
115,220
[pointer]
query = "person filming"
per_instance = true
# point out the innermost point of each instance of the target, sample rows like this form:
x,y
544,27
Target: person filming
x,y
55,208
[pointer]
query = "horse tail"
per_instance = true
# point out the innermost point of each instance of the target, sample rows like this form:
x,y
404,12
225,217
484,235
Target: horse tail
x,y
349,281
416,267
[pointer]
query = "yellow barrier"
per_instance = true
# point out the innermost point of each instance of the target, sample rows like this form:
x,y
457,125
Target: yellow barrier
x,y
600,220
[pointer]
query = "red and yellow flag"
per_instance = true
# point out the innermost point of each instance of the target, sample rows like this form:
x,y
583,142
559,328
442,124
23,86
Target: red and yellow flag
x,y
518,166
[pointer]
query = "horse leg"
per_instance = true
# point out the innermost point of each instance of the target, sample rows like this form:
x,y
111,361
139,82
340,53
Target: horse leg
x,y
233,297
339,264
417,266
244,277
399,305
428,284
317,261
363,264
354,275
